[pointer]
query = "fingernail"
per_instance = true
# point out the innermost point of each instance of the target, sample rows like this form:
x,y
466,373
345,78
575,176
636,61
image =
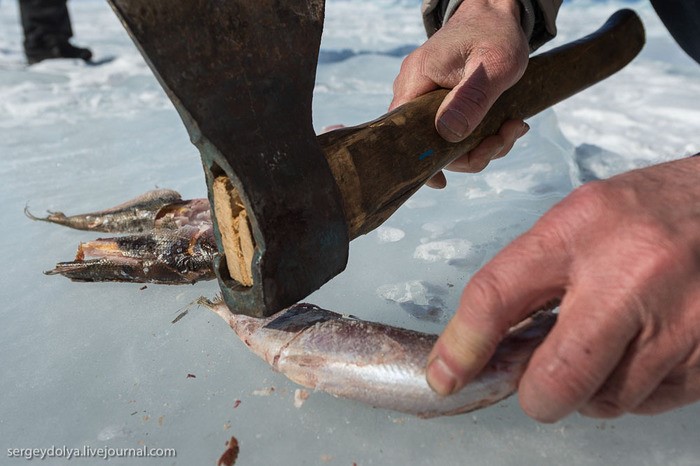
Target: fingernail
x,y
454,125
440,377
495,153
524,130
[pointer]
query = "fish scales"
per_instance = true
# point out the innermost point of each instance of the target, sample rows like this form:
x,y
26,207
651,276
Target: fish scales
x,y
134,216
378,364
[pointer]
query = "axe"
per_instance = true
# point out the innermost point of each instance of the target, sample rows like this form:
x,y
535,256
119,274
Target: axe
x,y
285,202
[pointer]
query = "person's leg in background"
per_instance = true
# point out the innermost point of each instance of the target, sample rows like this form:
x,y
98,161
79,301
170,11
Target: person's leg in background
x,y
47,30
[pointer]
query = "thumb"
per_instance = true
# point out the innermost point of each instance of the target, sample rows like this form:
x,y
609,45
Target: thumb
x,y
500,295
466,105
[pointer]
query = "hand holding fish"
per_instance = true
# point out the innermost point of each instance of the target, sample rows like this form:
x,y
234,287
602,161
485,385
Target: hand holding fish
x,y
623,255
479,53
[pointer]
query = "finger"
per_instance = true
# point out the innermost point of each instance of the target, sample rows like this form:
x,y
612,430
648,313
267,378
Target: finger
x,y
586,344
511,131
411,82
490,148
329,128
438,181
500,295
478,158
466,105
680,388
646,364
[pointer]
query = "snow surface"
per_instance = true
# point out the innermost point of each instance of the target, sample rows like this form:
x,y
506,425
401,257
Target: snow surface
x,y
102,365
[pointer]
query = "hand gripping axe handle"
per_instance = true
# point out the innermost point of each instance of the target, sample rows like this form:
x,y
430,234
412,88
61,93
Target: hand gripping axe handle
x,y
285,202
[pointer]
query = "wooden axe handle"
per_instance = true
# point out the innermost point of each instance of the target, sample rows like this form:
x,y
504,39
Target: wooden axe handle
x,y
380,164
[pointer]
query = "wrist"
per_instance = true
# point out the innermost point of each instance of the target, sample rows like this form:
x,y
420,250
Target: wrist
x,y
536,17
522,11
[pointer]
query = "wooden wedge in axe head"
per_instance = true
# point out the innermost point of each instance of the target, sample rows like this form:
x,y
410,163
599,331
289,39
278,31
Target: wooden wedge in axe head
x,y
285,202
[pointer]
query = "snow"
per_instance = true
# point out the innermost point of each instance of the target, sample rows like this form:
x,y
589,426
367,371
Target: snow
x,y
102,365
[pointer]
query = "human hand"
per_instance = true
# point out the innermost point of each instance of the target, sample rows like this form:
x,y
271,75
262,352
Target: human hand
x,y
479,53
624,257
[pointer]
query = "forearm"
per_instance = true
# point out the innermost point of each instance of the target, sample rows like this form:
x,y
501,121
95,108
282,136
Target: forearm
x,y
538,17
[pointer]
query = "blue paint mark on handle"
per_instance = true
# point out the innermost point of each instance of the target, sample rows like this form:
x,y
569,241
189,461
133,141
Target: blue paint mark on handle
x,y
426,154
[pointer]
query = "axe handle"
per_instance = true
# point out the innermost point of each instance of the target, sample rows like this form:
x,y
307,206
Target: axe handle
x,y
380,164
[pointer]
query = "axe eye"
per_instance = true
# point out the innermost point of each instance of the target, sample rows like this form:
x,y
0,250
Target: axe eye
x,y
236,234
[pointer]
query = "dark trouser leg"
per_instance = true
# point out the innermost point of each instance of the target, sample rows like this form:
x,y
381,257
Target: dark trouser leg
x,y
47,28
45,23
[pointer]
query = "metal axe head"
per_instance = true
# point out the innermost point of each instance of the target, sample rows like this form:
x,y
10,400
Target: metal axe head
x,y
241,74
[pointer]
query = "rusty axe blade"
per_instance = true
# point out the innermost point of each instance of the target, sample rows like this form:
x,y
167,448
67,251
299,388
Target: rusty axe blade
x,y
241,74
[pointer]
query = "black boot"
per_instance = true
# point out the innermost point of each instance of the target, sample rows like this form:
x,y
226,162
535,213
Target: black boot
x,y
47,30
62,49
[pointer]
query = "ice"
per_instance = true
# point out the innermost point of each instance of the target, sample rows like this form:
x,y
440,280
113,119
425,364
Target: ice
x,y
387,234
103,364
419,298
446,250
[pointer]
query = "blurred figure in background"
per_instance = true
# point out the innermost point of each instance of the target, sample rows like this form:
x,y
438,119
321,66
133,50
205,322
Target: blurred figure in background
x,y
47,30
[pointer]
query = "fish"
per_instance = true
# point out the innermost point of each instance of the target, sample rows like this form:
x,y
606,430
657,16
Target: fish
x,y
378,364
169,241
134,216
369,362
162,256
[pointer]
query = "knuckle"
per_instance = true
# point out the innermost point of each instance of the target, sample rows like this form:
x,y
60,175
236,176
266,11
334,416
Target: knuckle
x,y
486,290
413,65
582,210
483,306
412,61
504,63
546,239
541,241
590,199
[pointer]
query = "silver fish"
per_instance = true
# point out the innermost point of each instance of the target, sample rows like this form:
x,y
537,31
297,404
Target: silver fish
x,y
377,364
134,216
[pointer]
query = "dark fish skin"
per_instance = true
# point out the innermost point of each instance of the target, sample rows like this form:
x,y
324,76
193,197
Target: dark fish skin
x,y
134,216
172,241
170,257
377,364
